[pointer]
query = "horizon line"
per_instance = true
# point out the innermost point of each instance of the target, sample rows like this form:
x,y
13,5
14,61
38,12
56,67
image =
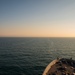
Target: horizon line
x,y
31,37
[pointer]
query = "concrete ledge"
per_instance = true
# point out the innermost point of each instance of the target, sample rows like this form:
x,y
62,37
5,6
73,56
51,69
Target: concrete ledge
x,y
49,66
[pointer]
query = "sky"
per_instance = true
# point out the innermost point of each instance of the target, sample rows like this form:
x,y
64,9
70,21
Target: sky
x,y
37,18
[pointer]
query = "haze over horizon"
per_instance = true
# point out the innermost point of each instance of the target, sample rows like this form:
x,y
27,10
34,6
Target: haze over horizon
x,y
37,18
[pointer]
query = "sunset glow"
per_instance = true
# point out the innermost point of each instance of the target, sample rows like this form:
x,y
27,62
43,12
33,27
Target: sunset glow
x,y
37,18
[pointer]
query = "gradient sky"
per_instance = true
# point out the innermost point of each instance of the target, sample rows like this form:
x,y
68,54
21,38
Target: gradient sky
x,y
37,18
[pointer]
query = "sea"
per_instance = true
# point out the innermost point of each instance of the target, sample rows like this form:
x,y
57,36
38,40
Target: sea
x,y
30,56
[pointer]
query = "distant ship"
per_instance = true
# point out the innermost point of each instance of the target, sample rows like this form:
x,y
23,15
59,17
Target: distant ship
x,y
60,66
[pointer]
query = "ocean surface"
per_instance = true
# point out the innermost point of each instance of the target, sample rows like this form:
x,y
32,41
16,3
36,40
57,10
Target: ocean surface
x,y
30,56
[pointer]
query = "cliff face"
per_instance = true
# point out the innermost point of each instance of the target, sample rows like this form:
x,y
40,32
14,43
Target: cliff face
x,y
61,66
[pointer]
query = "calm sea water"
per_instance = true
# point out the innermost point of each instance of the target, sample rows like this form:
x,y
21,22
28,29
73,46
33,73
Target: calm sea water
x,y
30,56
